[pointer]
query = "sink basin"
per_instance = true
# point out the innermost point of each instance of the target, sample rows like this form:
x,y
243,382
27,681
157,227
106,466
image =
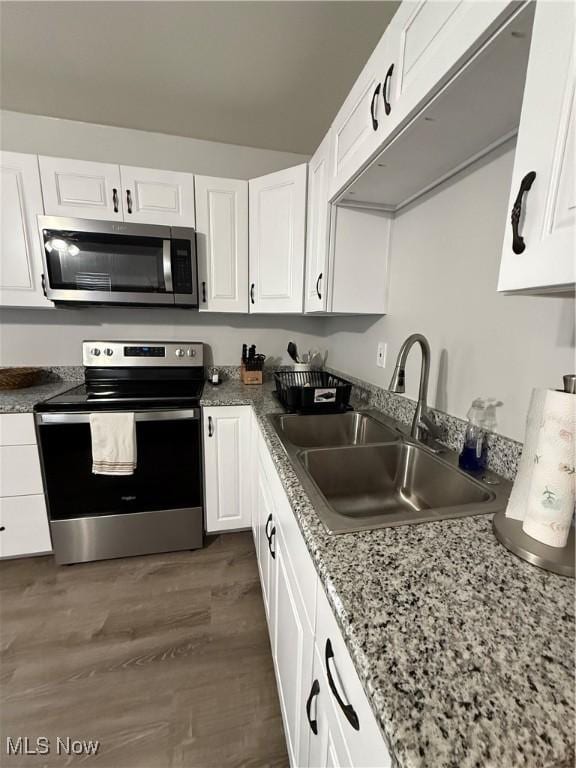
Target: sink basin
x,y
360,473
383,485
341,429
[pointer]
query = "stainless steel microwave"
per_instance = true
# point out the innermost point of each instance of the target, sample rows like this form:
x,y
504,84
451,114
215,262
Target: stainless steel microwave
x,y
109,262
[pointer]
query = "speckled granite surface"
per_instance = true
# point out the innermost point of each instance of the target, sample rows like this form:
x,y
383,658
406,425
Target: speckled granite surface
x,y
465,651
55,380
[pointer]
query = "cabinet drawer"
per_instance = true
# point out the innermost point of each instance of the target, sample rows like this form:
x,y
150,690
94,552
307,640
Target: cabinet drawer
x,y
20,470
366,744
23,526
17,429
299,555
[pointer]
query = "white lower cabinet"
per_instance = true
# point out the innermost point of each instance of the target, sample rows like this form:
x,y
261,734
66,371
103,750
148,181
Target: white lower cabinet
x,y
327,745
228,486
23,526
23,519
326,715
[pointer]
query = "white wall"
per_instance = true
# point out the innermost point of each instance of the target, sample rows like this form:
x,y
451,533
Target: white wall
x,y
54,336
444,268
42,135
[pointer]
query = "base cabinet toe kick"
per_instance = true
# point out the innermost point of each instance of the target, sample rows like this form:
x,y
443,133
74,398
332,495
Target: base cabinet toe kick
x,y
327,718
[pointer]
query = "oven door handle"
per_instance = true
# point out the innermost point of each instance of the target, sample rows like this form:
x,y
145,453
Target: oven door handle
x,y
167,265
49,419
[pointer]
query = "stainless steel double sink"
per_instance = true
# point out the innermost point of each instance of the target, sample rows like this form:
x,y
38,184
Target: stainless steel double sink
x,y
361,472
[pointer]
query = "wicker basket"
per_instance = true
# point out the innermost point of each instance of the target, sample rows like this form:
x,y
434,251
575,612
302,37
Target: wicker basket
x,y
18,378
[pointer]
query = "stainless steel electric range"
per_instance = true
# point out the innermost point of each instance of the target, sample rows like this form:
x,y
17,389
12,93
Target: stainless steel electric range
x,y
159,508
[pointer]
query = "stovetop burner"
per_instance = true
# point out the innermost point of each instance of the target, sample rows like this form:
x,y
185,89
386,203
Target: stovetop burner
x,y
85,398
118,379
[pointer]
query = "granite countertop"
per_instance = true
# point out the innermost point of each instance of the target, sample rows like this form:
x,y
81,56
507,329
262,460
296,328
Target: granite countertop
x,y
24,400
465,651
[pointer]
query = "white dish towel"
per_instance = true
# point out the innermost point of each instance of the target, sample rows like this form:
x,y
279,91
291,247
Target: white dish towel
x,y
113,443
544,492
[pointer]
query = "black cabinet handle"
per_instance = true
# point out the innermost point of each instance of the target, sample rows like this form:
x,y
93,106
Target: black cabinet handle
x,y
270,535
115,199
318,285
372,105
348,709
210,426
518,244
314,691
252,293
129,200
386,89
204,291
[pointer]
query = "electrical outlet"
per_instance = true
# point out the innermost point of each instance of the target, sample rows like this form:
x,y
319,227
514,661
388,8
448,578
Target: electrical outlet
x,y
381,354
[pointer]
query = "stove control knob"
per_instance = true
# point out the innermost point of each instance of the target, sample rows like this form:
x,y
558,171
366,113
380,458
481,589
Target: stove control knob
x,y
95,351
191,352
108,352
179,352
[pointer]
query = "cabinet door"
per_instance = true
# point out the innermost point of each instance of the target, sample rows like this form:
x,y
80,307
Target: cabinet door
x,y
20,248
432,41
351,712
222,243
318,229
327,746
151,196
23,526
542,256
227,467
266,542
277,240
293,648
80,188
362,122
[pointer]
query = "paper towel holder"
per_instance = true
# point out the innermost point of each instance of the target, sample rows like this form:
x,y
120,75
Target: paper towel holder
x,y
555,559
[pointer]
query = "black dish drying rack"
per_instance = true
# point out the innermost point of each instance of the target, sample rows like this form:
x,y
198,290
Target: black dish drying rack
x,y
312,391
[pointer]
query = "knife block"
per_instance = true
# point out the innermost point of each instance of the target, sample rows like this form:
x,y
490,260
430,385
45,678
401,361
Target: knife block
x,y
248,375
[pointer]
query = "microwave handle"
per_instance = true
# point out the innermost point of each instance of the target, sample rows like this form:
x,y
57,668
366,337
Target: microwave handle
x,y
167,265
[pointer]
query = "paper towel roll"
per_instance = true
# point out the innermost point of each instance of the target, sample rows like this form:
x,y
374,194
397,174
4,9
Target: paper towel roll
x,y
518,502
552,494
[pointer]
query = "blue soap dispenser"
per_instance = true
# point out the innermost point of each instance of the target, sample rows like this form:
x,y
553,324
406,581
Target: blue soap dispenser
x,y
474,451
481,420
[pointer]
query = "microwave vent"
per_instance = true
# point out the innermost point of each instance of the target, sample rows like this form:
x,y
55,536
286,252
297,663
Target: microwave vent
x,y
93,281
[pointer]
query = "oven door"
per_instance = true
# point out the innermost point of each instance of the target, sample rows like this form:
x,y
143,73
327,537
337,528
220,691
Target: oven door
x,y
99,262
157,509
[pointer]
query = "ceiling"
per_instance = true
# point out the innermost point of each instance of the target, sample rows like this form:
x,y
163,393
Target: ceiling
x,y
261,74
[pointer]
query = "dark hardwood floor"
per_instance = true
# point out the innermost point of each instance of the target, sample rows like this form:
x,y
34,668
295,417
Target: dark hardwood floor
x,y
165,660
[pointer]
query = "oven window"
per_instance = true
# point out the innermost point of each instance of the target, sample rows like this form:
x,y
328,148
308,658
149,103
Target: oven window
x,y
168,473
87,262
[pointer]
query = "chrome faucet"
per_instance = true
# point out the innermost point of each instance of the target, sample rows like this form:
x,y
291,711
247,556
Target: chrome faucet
x,y
423,428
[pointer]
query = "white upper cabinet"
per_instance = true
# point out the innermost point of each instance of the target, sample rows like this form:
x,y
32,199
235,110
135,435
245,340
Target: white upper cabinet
x,y
80,188
539,251
227,436
20,250
434,39
362,121
222,243
277,222
152,196
318,229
